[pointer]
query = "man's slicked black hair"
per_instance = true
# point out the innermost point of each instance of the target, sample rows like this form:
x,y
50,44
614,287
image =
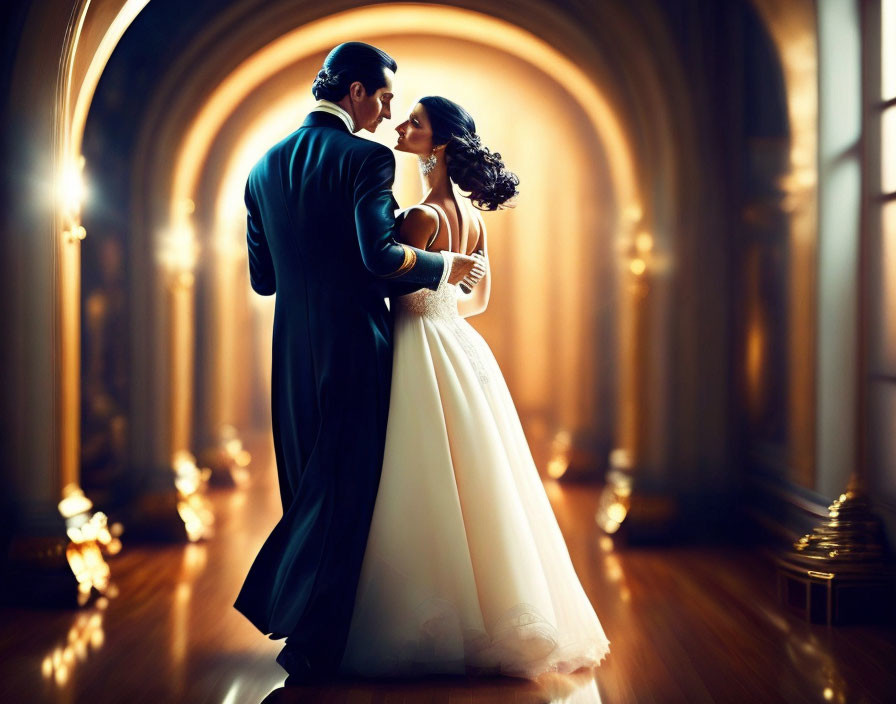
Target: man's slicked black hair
x,y
350,62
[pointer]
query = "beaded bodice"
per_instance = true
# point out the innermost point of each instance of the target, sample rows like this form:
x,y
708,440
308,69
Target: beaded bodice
x,y
441,303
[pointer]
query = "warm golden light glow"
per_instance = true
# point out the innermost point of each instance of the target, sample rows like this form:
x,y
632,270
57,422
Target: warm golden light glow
x,y
92,37
888,49
613,570
85,633
633,214
615,499
98,60
560,448
193,506
279,119
616,512
887,351
89,567
71,188
755,361
73,502
793,27
620,458
375,21
266,117
178,248
888,151
88,534
233,446
557,467
644,242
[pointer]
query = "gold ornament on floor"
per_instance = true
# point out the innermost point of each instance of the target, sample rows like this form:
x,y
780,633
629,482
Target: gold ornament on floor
x,y
841,572
89,534
852,532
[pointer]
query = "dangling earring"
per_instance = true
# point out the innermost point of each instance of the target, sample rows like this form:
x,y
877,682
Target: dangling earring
x,y
428,164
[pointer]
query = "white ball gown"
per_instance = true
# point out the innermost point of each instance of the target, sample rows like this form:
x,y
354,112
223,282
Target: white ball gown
x,y
465,570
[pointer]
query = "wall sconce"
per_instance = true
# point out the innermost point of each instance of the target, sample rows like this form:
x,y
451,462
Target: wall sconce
x,y
71,192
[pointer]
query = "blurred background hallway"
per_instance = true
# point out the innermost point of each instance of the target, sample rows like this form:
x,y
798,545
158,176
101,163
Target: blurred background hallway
x,y
707,377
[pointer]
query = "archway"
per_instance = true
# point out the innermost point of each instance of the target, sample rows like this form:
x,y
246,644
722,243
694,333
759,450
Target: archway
x,y
560,319
631,216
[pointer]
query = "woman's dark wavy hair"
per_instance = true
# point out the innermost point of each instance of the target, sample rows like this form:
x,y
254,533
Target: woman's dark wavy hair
x,y
470,164
350,62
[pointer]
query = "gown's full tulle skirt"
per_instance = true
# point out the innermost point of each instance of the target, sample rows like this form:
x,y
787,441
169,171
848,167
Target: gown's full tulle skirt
x,y
465,569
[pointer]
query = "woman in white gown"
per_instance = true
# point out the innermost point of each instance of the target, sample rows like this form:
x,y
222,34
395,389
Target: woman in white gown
x,y
465,569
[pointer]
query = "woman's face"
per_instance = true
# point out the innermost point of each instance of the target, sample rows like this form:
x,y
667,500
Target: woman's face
x,y
415,133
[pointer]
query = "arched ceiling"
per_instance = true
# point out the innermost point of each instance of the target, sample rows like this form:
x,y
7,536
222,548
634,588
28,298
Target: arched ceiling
x,y
369,23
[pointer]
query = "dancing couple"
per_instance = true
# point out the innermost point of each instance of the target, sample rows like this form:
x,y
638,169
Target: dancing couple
x,y
416,537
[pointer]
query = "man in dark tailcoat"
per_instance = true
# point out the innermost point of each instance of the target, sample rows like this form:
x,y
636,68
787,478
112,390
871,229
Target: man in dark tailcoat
x,y
321,234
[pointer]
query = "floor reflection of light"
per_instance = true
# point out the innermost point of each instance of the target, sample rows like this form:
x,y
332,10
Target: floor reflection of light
x,y
589,694
561,446
614,569
807,654
85,634
614,573
577,688
237,499
555,492
195,557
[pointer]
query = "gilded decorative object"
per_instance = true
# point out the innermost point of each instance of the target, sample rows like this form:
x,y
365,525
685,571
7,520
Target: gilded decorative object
x,y
842,571
89,534
851,535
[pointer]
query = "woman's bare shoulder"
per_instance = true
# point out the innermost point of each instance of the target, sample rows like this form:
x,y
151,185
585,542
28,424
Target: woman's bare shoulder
x,y
418,225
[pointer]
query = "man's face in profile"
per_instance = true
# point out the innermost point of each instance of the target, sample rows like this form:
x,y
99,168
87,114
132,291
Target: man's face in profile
x,y
371,110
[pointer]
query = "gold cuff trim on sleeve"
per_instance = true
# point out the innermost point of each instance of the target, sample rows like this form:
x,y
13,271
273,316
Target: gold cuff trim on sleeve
x,y
410,259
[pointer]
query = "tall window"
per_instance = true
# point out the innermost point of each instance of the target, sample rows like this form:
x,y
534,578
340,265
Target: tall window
x,y
883,187
880,236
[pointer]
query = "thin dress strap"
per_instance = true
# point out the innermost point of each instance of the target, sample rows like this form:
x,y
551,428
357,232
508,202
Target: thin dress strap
x,y
442,214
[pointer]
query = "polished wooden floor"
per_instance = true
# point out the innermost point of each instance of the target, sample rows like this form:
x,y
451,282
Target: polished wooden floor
x,y
685,625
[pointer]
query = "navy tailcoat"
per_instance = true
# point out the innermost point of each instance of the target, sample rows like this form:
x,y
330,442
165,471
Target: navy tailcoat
x,y
321,234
